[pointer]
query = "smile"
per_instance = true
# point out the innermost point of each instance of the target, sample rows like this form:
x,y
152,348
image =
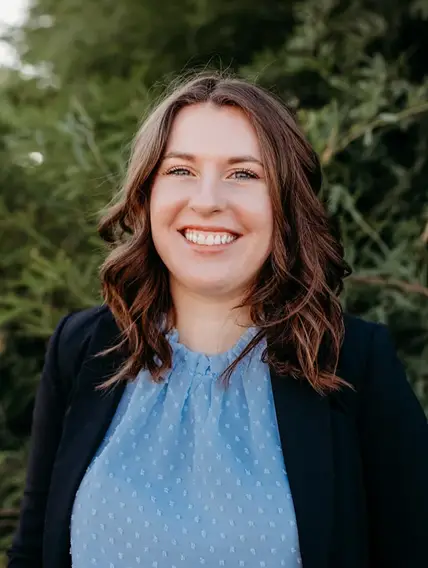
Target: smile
x,y
208,238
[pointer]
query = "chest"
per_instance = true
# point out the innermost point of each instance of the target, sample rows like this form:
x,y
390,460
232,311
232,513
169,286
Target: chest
x,y
316,439
188,471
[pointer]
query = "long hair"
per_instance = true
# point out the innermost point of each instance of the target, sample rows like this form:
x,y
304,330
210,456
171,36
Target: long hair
x,y
293,301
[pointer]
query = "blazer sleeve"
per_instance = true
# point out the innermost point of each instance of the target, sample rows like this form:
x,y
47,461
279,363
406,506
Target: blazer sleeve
x,y
50,406
394,441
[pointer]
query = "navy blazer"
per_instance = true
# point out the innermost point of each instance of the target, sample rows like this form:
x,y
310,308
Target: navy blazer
x,y
357,461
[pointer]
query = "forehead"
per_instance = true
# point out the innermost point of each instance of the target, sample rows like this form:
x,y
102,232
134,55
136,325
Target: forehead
x,y
210,130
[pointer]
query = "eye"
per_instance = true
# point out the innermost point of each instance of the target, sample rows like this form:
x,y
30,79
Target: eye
x,y
244,174
178,171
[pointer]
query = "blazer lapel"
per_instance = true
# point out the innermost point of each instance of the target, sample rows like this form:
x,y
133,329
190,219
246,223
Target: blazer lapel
x,y
85,426
304,426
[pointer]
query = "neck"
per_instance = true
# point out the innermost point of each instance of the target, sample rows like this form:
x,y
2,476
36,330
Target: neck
x,y
208,325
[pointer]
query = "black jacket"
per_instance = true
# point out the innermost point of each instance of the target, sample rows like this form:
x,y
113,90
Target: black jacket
x,y
357,461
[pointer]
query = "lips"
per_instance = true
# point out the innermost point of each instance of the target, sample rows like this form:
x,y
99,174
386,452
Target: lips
x,y
209,229
209,238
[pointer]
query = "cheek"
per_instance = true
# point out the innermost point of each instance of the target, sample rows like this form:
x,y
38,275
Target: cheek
x,y
165,204
256,213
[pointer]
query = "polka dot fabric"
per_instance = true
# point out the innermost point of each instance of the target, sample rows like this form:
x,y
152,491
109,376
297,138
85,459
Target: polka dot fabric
x,y
190,473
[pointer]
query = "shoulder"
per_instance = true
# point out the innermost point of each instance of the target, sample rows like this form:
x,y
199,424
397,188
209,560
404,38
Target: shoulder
x,y
368,354
74,333
357,328
78,325
361,335
364,344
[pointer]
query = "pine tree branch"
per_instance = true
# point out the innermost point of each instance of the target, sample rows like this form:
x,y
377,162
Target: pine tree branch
x,y
412,288
9,514
334,148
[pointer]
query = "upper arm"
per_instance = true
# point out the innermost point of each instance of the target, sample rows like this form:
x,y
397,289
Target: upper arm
x,y
50,405
394,443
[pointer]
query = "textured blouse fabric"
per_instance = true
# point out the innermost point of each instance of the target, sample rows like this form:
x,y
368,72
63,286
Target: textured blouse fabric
x,y
190,473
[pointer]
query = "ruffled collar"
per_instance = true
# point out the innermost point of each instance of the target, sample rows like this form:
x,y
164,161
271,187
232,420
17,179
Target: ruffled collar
x,y
207,365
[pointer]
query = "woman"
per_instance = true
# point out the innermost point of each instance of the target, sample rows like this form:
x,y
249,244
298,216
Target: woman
x,y
219,409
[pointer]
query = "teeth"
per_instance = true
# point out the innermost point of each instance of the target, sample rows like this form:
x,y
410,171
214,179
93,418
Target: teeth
x,y
209,239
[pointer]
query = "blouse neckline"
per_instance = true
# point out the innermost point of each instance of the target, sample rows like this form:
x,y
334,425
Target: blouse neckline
x,y
201,363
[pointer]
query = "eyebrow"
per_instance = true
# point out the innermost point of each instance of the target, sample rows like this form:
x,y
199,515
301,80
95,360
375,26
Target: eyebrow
x,y
230,161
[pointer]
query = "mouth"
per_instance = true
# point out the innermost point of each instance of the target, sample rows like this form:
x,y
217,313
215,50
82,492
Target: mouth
x,y
209,238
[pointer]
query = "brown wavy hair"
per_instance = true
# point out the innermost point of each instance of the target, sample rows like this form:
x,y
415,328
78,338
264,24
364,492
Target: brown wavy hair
x,y
294,300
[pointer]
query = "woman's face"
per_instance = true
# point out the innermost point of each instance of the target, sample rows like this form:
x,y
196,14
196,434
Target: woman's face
x,y
211,213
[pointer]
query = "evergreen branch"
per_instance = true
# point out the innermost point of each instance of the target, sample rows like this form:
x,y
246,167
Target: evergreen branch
x,y
9,514
330,151
412,288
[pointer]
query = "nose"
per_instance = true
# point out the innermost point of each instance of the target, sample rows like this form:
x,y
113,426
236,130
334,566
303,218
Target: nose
x,y
207,197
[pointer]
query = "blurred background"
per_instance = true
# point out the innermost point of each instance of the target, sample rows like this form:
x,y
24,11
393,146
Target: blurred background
x,y
75,79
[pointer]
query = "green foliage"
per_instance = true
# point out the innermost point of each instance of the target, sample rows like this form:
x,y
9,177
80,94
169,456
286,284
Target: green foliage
x,y
355,74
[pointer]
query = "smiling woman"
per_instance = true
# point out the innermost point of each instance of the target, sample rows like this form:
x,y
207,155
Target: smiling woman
x,y
252,423
225,156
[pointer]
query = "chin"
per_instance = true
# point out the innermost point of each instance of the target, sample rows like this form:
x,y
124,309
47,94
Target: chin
x,y
211,287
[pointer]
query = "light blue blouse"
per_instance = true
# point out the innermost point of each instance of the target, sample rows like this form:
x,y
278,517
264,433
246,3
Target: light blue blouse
x,y
190,473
